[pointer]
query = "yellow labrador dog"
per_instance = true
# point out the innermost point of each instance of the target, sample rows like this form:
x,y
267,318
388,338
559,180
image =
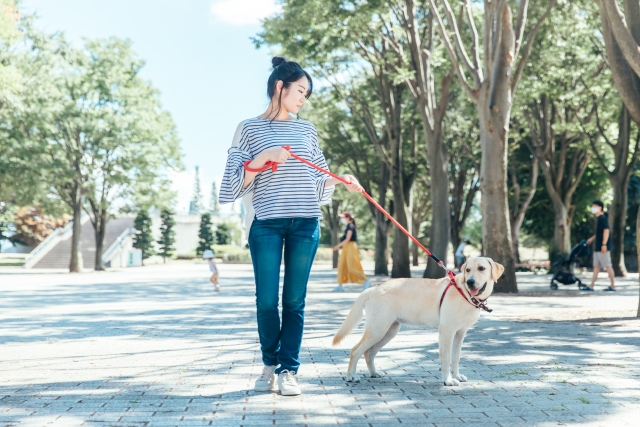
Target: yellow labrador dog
x,y
417,302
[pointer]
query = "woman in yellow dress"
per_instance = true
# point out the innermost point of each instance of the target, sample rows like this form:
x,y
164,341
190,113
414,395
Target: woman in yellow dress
x,y
349,266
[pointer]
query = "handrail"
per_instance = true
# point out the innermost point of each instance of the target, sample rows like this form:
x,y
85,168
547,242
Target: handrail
x,y
117,243
52,239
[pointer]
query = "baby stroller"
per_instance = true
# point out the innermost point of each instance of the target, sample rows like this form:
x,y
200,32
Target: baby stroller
x,y
565,266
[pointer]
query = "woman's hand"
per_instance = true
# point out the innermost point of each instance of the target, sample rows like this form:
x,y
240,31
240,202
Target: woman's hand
x,y
336,247
275,154
355,186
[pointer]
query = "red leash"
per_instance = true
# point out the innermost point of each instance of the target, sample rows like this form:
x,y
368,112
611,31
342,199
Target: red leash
x,y
274,167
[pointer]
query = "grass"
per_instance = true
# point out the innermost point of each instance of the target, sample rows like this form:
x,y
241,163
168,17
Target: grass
x,y
517,371
584,400
12,260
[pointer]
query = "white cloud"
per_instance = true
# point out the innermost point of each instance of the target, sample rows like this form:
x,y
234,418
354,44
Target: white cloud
x,y
243,12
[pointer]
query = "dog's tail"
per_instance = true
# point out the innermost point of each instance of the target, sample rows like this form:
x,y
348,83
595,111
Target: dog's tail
x,y
354,316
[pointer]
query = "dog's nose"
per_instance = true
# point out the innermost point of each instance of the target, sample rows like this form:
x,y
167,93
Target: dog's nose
x,y
471,282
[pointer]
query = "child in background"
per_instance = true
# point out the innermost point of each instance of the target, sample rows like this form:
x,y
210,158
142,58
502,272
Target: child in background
x,y
208,255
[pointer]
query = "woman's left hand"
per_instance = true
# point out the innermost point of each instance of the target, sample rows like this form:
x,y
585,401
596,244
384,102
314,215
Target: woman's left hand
x,y
355,186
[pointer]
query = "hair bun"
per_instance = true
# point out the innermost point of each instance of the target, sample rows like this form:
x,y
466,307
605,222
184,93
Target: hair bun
x,y
277,60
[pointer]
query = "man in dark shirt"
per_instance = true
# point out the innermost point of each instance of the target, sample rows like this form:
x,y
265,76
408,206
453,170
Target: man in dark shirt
x,y
603,246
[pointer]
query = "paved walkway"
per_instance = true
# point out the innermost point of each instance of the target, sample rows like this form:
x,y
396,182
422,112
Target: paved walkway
x,y
155,347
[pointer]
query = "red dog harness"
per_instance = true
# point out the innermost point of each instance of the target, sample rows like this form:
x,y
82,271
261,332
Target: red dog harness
x,y
474,302
274,167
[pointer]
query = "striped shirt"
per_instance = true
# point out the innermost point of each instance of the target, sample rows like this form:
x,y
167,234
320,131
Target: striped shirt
x,y
295,190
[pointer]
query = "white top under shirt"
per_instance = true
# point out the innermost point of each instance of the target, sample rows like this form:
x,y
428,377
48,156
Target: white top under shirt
x,y
295,190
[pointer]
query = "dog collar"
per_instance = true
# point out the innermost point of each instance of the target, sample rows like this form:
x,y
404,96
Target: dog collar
x,y
480,304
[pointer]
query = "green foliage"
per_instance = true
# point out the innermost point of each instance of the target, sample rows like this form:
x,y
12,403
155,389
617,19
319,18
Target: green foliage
x,y
143,239
223,234
167,234
214,205
205,235
83,126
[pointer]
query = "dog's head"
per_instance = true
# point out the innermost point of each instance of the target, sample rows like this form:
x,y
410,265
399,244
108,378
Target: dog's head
x,y
478,275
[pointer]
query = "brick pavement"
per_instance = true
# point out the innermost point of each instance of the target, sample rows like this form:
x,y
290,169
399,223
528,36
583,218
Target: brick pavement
x,y
155,347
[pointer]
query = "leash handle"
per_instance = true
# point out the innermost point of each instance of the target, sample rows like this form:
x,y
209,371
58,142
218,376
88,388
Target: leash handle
x,y
269,165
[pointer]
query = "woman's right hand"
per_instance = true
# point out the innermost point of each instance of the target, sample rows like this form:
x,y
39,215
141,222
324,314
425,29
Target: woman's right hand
x,y
275,154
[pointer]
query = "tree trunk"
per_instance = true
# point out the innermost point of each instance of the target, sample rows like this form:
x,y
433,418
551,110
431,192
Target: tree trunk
x,y
415,230
381,256
561,229
440,207
401,262
638,250
99,232
496,229
455,237
76,259
617,220
515,242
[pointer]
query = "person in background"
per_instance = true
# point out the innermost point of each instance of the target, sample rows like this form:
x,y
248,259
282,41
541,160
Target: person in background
x,y
601,252
459,255
349,266
208,255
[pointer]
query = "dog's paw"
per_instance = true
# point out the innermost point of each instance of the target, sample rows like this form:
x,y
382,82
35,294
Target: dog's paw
x,y
451,382
353,378
376,374
460,378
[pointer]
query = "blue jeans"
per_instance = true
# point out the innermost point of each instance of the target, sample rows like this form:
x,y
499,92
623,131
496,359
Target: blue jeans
x,y
280,345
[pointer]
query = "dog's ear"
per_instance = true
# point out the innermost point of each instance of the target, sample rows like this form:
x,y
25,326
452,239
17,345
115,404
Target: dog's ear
x,y
462,277
496,270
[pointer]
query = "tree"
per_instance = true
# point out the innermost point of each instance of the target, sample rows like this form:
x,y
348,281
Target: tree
x,y
167,235
32,225
133,142
214,205
415,46
621,34
625,158
330,214
143,239
523,183
354,47
223,234
562,160
347,147
462,141
494,82
196,201
205,235
53,120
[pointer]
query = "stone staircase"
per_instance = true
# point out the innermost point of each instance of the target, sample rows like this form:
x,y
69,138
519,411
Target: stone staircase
x,y
59,256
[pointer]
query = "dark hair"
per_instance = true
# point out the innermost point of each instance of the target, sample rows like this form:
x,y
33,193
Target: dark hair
x,y
468,242
287,72
350,218
598,203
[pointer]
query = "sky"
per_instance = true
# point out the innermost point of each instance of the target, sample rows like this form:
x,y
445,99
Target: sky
x,y
198,54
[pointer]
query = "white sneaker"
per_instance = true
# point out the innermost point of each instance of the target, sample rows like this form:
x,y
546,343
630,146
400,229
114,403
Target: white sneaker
x,y
288,383
266,380
366,284
216,288
338,288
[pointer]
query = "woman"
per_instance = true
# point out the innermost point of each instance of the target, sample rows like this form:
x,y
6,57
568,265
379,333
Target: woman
x,y
349,266
287,214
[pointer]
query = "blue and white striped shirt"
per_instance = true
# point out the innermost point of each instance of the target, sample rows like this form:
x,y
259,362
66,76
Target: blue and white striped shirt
x,y
295,190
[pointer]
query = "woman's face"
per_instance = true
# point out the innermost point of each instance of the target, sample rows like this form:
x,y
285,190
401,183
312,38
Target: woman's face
x,y
293,97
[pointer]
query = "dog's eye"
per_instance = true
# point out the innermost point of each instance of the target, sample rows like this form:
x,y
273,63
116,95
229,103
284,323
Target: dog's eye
x,y
481,268
468,270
